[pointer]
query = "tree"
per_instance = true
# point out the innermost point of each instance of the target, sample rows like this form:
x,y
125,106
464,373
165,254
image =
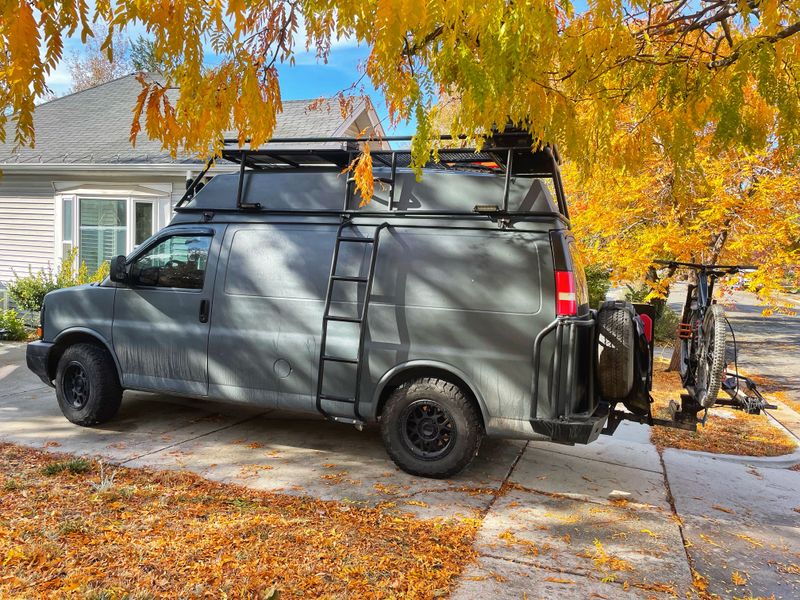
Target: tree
x,y
144,57
681,119
730,206
98,63
677,66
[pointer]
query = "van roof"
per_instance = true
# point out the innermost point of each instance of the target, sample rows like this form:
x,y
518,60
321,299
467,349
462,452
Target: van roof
x,y
310,176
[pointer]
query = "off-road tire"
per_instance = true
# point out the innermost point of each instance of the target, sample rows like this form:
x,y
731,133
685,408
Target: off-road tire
x,y
461,411
715,330
103,393
615,367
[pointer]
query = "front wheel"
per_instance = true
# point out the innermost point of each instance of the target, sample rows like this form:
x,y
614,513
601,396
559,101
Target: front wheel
x,y
431,428
711,359
87,386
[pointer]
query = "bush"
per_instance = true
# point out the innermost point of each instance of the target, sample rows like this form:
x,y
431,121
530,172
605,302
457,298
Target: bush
x,y
598,279
13,326
28,292
667,326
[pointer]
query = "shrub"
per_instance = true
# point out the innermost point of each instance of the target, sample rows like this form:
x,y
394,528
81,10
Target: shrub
x,y
667,326
598,279
28,292
13,325
74,466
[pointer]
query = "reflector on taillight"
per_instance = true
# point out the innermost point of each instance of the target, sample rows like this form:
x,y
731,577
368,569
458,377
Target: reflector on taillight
x,y
566,300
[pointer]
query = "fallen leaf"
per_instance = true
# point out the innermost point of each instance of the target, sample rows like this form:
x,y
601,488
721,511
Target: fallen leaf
x,y
738,579
559,580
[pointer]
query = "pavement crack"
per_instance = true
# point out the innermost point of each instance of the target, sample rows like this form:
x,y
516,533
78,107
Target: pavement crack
x,y
196,437
677,517
504,483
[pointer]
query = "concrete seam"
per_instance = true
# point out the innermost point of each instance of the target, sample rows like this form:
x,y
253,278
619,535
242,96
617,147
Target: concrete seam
x,y
678,520
500,490
605,462
191,439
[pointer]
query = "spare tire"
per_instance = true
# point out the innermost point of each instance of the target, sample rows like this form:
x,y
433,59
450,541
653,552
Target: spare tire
x,y
615,339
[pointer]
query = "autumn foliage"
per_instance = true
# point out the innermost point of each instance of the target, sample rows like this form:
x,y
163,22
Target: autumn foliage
x,y
147,534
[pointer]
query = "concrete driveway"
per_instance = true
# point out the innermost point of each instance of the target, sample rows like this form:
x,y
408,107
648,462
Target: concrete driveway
x,y
553,517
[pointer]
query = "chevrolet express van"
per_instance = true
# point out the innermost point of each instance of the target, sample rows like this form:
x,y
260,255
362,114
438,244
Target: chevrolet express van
x,y
445,309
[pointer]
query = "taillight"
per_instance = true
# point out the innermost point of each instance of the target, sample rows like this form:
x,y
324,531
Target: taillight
x,y
566,300
647,322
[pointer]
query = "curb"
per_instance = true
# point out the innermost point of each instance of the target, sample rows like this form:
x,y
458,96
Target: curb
x,y
768,462
783,461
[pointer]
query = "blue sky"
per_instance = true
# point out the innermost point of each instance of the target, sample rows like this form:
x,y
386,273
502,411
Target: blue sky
x,y
307,79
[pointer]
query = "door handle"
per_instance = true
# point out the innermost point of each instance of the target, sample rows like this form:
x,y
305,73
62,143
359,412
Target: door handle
x,y
204,311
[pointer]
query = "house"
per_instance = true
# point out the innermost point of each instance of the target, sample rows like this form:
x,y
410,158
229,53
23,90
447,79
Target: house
x,y
84,184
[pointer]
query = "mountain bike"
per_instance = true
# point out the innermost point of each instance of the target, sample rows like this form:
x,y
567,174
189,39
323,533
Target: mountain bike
x,y
702,333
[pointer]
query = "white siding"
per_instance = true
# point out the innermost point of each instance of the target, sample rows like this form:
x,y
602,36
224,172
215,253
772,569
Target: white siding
x,y
27,226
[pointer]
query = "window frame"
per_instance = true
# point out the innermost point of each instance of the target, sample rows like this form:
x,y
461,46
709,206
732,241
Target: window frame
x,y
143,249
76,212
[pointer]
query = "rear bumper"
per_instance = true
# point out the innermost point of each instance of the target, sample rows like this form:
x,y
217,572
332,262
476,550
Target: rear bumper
x,y
37,356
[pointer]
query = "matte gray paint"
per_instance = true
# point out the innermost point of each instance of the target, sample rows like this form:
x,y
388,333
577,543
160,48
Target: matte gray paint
x,y
468,299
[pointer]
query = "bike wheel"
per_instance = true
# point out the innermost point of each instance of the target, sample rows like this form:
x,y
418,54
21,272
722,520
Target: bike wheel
x,y
710,356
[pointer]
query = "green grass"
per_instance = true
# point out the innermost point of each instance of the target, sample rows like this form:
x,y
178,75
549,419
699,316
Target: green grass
x,y
74,466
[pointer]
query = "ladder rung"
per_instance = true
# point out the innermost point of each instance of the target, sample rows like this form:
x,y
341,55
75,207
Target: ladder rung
x,y
347,278
342,319
337,398
340,359
356,239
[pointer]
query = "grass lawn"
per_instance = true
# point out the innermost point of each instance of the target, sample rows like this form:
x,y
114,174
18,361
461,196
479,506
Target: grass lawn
x,y
727,431
69,530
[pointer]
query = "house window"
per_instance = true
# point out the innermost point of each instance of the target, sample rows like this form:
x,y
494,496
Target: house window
x,y
66,226
103,228
143,222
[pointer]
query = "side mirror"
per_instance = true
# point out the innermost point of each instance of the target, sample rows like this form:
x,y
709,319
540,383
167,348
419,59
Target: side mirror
x,y
118,271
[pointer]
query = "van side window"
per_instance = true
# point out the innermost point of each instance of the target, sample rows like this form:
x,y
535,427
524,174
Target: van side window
x,y
176,262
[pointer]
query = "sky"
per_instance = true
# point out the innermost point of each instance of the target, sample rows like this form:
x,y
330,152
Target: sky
x,y
307,79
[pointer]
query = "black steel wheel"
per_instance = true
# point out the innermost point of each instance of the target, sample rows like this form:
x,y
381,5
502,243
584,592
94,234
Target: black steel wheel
x,y
87,386
430,427
76,385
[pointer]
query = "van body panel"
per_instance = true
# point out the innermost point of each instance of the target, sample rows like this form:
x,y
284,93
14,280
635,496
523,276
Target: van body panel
x,y
87,308
476,319
158,335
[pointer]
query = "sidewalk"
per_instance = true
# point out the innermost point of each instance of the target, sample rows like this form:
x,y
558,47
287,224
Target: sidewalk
x,y
610,519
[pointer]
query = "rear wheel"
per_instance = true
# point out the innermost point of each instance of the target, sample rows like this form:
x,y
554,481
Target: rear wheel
x,y
87,387
711,359
431,428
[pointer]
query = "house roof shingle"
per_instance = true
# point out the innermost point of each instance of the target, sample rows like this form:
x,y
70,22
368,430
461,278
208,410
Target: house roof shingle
x,y
93,127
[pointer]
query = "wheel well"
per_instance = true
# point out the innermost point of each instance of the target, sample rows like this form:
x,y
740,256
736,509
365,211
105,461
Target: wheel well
x,y
412,373
70,339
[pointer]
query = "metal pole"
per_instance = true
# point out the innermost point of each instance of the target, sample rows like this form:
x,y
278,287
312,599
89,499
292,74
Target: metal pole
x,y
507,184
241,180
394,175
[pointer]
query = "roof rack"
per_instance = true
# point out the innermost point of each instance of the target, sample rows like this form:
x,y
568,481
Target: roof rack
x,y
507,154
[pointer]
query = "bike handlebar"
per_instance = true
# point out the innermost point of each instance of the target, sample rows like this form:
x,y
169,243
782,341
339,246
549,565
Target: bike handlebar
x,y
728,269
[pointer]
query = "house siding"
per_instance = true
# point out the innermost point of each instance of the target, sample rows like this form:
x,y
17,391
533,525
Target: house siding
x,y
27,225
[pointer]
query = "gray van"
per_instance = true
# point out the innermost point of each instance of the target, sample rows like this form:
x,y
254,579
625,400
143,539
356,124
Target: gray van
x,y
445,309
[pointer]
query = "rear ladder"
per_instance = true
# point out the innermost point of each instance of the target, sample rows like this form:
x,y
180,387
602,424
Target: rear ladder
x,y
352,416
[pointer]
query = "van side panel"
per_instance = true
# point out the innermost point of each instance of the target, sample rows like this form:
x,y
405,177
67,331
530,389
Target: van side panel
x,y
471,299
267,316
